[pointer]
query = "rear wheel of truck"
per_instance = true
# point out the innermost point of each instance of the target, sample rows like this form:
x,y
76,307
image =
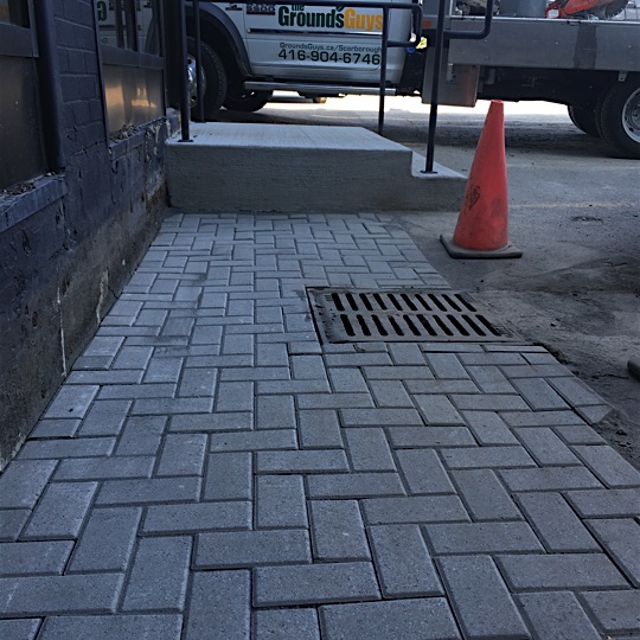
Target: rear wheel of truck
x,y
239,99
619,118
584,117
214,80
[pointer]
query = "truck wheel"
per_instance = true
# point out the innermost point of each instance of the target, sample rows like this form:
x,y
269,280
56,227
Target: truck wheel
x,y
584,117
238,99
620,118
214,79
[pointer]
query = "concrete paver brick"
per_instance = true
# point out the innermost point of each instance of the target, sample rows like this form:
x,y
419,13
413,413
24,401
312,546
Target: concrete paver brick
x,y
197,382
61,510
304,461
167,406
280,502
605,503
72,401
66,448
390,393
240,421
489,402
197,517
579,434
482,537
265,440
236,549
11,523
549,479
235,396
219,606
414,509
24,629
51,595
489,428
539,394
595,413
34,558
105,468
233,345
540,418
616,611
55,428
419,619
123,627
354,485
301,624
556,523
561,571
575,391
121,376
141,436
107,541
148,491
406,354
319,428
275,412
347,381
428,436
164,564
397,372
314,584
132,357
621,540
373,359
490,379
609,466
337,531
484,495
557,615
182,455
483,457
480,598
270,387
492,358
363,417
403,563
271,355
446,366
229,477
369,450
545,446
254,373
105,418
438,410
345,401
132,391
423,471
23,481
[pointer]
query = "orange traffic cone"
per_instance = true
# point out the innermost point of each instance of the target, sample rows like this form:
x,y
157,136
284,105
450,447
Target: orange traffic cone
x,y
482,228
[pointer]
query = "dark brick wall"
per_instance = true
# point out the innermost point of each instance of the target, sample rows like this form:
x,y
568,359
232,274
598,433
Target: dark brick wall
x,y
62,267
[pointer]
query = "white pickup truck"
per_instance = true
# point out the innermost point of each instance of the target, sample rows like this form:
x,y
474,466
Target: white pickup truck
x,y
593,66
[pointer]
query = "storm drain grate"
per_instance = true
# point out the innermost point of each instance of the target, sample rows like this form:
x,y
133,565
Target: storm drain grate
x,y
401,315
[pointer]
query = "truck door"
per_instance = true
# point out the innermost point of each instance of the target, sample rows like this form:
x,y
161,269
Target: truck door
x,y
322,44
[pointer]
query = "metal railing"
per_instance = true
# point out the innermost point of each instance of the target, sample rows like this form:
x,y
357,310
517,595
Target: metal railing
x,y
386,6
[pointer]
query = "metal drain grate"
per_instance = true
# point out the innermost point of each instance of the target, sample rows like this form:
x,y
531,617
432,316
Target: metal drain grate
x,y
401,315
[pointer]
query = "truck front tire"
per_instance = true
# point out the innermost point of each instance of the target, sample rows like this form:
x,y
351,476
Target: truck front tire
x,y
584,117
246,101
215,79
619,118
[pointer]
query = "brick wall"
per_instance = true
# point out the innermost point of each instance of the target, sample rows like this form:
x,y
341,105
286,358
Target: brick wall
x,y
62,266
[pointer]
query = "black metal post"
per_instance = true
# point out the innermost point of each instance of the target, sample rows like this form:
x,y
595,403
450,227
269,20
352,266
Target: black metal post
x,y
383,69
49,81
435,86
199,71
185,110
117,15
131,24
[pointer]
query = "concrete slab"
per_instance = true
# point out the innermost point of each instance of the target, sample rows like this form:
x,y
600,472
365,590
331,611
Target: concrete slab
x,y
282,168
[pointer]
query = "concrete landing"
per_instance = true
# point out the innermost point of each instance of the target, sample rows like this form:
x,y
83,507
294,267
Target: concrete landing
x,y
286,168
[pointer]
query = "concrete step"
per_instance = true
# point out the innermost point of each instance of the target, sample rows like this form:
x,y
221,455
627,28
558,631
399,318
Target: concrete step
x,y
295,168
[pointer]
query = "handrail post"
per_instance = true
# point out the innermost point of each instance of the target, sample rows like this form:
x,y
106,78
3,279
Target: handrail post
x,y
184,88
383,68
198,40
435,86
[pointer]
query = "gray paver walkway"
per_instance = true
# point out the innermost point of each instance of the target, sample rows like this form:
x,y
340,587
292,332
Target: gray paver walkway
x,y
210,471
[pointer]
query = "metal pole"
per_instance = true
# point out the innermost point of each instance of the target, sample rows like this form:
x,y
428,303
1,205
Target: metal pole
x,y
435,86
185,111
383,69
199,74
117,14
